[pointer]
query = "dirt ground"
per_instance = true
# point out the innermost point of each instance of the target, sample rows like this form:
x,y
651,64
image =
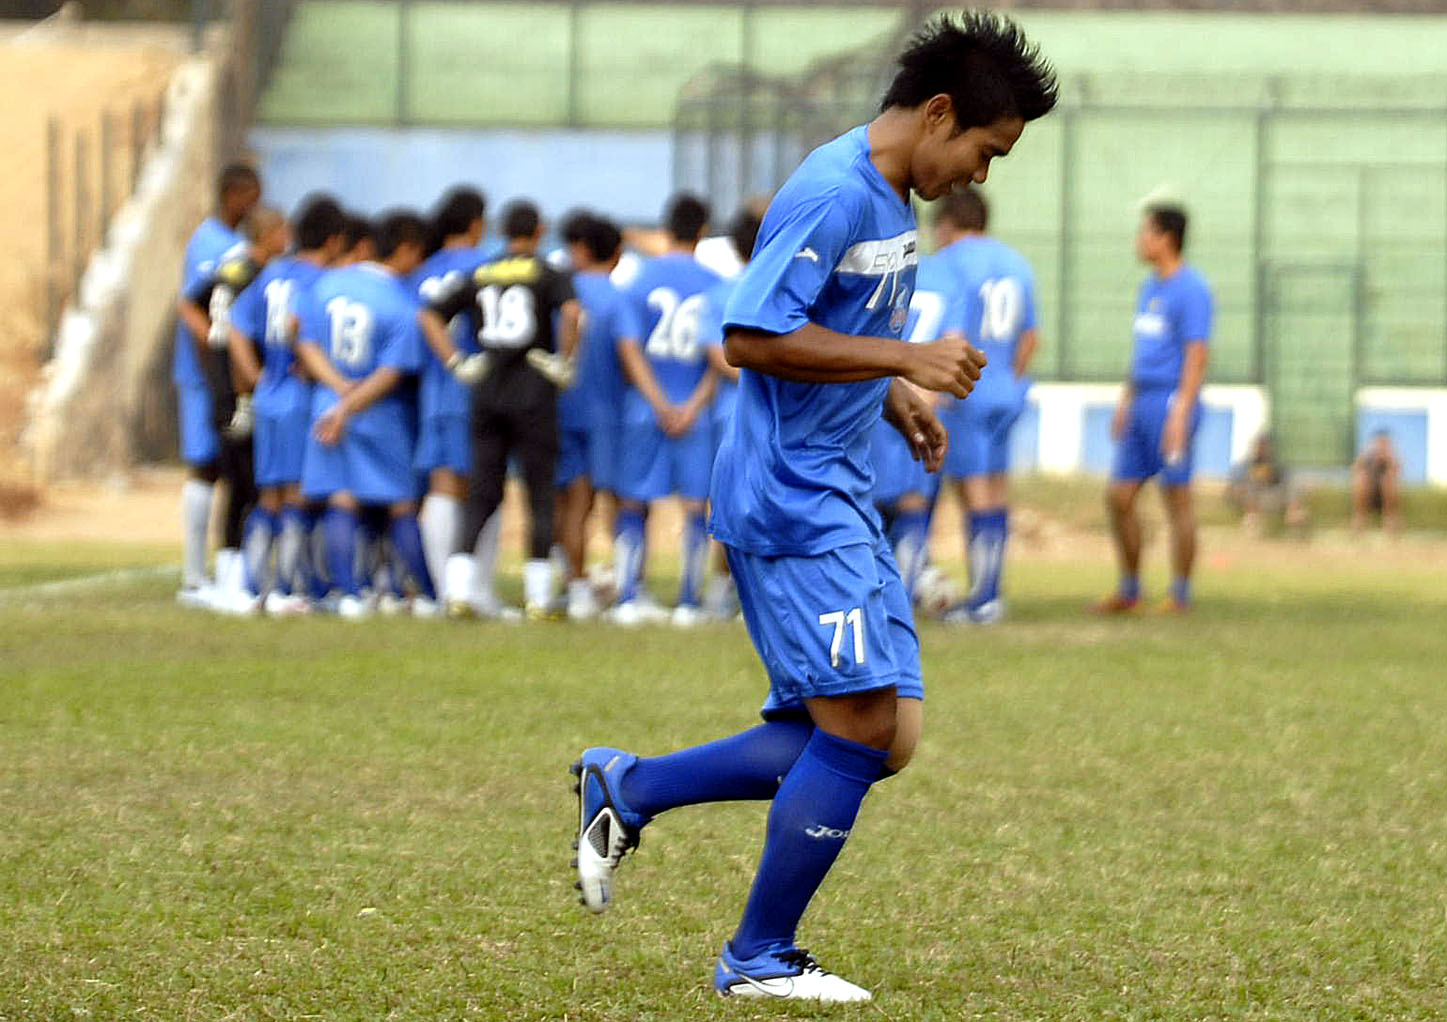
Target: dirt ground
x,y
73,74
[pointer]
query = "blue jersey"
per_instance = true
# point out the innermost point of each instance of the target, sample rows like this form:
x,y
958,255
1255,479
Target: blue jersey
x,y
441,393
364,318
996,307
208,244
1170,314
711,334
668,298
263,313
595,401
838,248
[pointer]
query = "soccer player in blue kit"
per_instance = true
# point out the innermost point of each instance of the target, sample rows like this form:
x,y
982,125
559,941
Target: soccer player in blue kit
x,y
816,325
359,339
1160,409
238,191
667,435
995,310
590,412
266,314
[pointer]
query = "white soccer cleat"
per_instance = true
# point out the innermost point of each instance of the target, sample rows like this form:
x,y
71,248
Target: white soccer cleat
x,y
582,604
793,975
353,608
281,605
422,607
628,615
606,830
685,616
391,605
195,597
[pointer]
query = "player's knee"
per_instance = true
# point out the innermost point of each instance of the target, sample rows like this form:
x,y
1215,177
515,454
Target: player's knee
x,y
909,723
1118,500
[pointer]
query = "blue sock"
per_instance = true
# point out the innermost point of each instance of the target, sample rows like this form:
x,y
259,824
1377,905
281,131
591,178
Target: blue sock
x,y
340,527
407,542
695,559
743,767
911,543
293,561
628,552
976,524
988,555
1130,587
314,558
256,539
808,823
1181,591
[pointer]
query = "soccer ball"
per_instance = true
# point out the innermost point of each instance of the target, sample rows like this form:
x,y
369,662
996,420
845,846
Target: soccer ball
x,y
935,592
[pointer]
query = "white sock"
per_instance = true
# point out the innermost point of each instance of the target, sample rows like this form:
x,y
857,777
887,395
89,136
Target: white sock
x,y
538,582
230,571
195,523
459,575
441,523
486,550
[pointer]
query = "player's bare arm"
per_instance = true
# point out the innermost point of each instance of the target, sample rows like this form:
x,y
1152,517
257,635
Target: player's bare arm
x,y
1025,352
1122,411
816,354
1193,375
379,384
321,369
570,327
197,322
640,374
721,367
698,401
437,336
245,369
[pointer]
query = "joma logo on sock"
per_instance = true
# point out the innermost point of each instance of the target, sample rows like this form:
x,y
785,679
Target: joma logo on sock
x,y
821,831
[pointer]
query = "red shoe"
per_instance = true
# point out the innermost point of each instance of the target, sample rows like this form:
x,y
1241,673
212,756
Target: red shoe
x,y
1115,603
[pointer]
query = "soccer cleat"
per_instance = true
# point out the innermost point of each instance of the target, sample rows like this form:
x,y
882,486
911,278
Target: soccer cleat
x,y
607,830
686,616
1115,603
391,605
196,597
582,604
483,610
790,975
1171,607
353,608
543,612
630,614
281,605
424,608
991,612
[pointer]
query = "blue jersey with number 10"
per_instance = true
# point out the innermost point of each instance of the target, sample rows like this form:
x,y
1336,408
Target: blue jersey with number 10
x,y
996,307
364,318
668,297
837,248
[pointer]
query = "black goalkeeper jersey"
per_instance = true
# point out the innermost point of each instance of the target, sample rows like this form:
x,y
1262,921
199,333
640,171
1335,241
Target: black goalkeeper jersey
x,y
515,301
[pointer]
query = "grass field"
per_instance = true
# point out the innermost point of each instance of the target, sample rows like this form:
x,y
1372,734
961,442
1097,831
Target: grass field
x,y
1238,815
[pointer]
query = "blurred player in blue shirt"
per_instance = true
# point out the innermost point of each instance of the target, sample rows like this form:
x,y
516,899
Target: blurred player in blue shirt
x,y
721,599
590,414
238,191
816,326
903,491
1160,409
995,310
667,434
360,341
444,443
265,316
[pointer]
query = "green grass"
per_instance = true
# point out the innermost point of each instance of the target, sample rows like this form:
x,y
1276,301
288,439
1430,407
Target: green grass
x,y
1238,815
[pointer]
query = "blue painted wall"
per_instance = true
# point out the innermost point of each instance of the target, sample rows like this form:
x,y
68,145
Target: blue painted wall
x,y
627,174
1409,436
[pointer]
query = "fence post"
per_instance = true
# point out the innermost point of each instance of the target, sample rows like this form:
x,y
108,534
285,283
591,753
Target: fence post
x,y
83,212
1068,114
107,183
573,114
138,142
1258,245
54,236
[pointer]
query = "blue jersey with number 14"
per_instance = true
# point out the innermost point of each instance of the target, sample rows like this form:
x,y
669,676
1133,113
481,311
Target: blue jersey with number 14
x,y
668,295
996,289
263,313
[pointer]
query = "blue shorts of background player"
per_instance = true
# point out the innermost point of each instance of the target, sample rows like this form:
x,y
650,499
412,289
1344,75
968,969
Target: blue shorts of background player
x,y
604,438
801,616
444,440
573,444
1138,454
896,472
980,435
280,443
374,465
200,442
653,465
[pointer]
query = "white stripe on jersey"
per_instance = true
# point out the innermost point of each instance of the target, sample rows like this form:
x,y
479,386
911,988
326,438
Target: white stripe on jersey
x,y
876,258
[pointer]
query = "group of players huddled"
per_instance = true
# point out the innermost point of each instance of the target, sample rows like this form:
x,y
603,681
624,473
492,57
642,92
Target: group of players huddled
x,y
365,387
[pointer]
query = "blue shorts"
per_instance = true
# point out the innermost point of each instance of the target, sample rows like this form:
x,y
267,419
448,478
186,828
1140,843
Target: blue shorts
x,y
445,441
603,455
572,455
200,440
979,428
376,469
279,445
1138,455
652,466
896,473
829,625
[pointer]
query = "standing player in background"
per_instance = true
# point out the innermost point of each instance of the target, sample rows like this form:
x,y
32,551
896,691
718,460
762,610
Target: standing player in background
x,y
1160,409
521,304
206,310
265,315
904,492
444,445
590,413
996,312
721,600
238,190
667,436
816,326
359,341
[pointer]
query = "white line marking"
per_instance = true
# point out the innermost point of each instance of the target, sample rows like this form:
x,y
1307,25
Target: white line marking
x,y
86,583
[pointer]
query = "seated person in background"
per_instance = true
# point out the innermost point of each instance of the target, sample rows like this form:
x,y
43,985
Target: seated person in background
x,y
1377,484
1261,486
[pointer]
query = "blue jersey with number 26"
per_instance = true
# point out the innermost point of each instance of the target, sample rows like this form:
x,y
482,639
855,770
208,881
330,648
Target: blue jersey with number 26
x,y
363,318
668,296
837,248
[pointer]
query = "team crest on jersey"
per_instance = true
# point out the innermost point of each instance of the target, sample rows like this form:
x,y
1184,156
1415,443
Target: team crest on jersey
x,y
898,318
